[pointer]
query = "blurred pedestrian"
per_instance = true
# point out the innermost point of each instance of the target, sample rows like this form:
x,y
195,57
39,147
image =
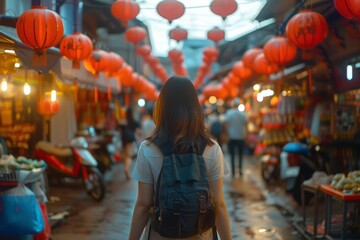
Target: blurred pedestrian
x,y
148,124
130,132
236,130
178,118
215,127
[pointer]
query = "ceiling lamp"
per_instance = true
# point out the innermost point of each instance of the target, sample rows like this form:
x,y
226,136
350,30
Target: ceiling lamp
x,y
40,28
223,8
216,35
170,9
178,34
76,47
125,10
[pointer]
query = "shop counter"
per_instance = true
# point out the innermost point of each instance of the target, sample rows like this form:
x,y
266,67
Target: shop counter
x,y
345,199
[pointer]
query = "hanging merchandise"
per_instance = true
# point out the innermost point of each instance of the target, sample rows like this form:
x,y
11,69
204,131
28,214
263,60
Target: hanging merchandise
x,y
39,28
76,47
178,34
170,9
125,10
223,8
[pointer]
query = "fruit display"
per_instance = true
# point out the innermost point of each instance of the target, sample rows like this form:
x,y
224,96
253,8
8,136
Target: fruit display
x,y
347,184
9,162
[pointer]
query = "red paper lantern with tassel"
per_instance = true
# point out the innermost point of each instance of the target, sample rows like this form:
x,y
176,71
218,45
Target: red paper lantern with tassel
x,y
263,66
76,47
143,50
97,62
348,8
135,35
170,9
241,71
178,34
223,8
40,28
125,10
249,57
280,50
216,35
307,29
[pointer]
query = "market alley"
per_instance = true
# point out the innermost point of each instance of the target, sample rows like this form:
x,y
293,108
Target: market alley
x,y
254,212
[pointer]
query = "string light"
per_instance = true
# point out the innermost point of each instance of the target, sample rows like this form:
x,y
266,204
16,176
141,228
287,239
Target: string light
x,y
4,85
53,95
27,89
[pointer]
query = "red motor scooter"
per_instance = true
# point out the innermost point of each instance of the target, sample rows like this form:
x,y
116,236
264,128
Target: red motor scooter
x,y
84,166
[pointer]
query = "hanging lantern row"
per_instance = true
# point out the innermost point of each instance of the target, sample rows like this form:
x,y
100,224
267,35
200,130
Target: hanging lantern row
x,y
76,47
216,35
210,55
135,35
223,8
125,10
177,59
170,9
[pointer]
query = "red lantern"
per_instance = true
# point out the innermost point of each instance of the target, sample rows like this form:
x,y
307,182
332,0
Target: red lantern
x,y
234,79
307,29
135,35
223,8
348,8
76,47
116,61
170,9
211,52
125,10
144,50
178,34
125,75
241,71
249,57
280,50
47,108
99,61
216,35
39,28
176,56
262,65
151,60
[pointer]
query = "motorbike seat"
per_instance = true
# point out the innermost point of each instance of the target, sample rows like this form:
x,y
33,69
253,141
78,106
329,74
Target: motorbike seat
x,y
52,149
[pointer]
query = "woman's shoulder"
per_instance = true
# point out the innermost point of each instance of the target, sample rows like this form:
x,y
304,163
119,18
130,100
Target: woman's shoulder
x,y
150,149
211,150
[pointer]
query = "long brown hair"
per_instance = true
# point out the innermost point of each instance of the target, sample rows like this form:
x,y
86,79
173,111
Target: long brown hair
x,y
178,115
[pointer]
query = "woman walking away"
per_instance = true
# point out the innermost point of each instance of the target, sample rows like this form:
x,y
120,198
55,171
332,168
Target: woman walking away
x,y
130,130
179,139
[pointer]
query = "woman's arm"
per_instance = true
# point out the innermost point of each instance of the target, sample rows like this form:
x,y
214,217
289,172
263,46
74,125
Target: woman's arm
x,y
141,212
222,221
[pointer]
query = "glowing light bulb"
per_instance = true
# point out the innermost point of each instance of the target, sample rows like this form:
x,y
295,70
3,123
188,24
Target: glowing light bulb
x,y
212,99
141,102
53,95
27,89
4,85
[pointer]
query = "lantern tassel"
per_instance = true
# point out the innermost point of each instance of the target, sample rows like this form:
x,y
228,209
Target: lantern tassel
x,y
39,58
76,89
109,92
127,99
310,80
118,86
75,64
96,94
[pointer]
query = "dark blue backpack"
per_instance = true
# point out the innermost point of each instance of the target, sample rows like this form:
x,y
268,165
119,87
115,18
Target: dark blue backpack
x,y
184,206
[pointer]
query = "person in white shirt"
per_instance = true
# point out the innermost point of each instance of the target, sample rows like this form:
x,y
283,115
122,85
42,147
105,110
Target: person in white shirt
x,y
178,117
236,129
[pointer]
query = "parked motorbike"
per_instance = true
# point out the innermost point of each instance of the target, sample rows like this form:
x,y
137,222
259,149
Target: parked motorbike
x,y
297,164
84,164
270,167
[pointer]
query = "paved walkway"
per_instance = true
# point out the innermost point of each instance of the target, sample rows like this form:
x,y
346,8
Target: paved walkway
x,y
255,213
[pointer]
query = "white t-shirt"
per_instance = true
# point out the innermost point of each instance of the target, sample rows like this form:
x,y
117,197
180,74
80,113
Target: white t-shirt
x,y
236,121
148,166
